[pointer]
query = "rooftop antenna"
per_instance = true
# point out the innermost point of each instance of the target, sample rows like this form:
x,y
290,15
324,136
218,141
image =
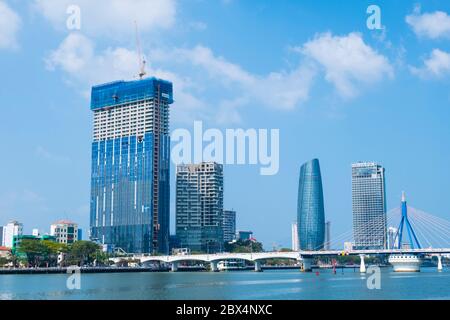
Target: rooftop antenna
x,y
141,58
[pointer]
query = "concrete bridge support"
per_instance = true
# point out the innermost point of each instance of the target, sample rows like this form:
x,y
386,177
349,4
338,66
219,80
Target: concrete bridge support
x,y
174,267
306,264
362,266
214,266
258,266
439,266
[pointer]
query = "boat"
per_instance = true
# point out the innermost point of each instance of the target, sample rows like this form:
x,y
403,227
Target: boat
x,y
231,265
405,262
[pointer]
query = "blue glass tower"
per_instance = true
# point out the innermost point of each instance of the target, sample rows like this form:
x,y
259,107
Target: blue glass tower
x,y
310,208
129,205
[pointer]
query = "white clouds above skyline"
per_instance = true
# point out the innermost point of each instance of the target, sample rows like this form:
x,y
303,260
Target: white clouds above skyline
x,y
111,17
347,61
431,25
278,90
9,26
436,65
83,64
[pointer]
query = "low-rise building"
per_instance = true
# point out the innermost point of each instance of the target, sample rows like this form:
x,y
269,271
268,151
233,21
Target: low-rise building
x,y
64,231
5,252
17,241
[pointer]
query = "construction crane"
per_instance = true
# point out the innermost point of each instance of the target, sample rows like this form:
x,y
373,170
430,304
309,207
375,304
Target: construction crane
x,y
141,58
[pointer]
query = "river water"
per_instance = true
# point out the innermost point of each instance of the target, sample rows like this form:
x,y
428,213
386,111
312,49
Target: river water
x,y
270,284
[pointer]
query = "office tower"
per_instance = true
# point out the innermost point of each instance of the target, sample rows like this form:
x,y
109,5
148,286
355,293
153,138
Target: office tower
x,y
294,236
130,165
80,234
1,236
369,206
64,231
199,206
327,245
10,231
310,207
229,225
392,240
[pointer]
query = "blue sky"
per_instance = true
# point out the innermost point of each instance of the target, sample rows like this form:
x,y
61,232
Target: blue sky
x,y
335,89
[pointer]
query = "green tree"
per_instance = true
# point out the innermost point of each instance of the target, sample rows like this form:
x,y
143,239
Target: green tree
x,y
54,249
244,246
35,250
83,252
4,261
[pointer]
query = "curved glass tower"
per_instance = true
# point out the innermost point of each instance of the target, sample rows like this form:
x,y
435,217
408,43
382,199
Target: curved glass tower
x,y
310,208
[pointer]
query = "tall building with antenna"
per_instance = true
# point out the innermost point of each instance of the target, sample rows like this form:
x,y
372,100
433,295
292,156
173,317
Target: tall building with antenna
x,y
129,202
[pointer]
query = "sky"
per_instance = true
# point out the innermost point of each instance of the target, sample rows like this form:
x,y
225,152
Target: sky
x,y
336,90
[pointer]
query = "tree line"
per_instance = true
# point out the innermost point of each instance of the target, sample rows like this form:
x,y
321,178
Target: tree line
x,y
45,253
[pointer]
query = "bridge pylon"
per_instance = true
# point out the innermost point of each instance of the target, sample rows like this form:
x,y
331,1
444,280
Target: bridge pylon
x,y
404,224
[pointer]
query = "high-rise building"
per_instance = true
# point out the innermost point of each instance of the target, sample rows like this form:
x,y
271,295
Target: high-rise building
x,y
64,231
368,206
392,240
130,165
11,230
310,207
199,206
327,245
294,235
229,225
1,236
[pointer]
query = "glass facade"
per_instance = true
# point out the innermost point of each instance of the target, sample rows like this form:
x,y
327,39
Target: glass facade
x,y
229,225
199,207
310,207
369,206
130,165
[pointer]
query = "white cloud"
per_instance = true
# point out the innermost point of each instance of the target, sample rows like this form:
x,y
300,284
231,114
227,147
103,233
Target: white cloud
x,y
9,26
437,65
77,57
279,90
209,87
111,17
347,60
431,25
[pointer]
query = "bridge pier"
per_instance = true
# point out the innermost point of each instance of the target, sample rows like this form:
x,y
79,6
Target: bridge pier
x,y
214,266
258,266
174,267
439,266
306,264
362,266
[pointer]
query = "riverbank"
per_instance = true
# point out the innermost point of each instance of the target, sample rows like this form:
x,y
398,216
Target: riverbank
x,y
153,269
124,269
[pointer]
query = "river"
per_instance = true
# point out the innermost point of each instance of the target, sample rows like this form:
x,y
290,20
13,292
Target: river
x,y
270,284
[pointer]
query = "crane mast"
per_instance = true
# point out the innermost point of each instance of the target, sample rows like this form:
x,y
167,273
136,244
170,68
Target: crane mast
x,y
141,58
